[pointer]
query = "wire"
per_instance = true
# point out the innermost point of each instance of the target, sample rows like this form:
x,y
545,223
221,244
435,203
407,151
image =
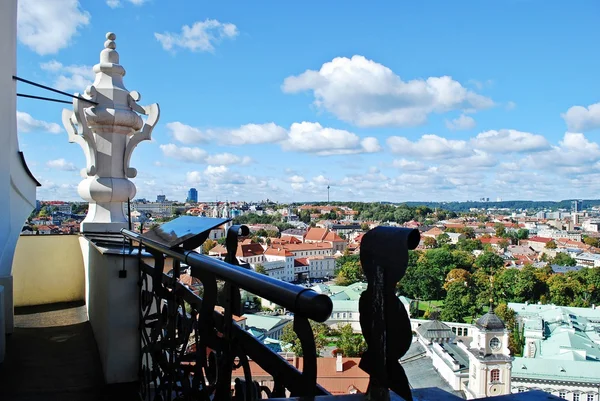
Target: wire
x,y
51,89
48,99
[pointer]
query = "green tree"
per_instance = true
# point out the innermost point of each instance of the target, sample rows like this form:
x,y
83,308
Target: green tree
x,y
364,227
565,289
429,242
469,245
489,263
522,233
320,333
458,302
500,229
516,341
349,273
591,241
261,269
551,245
208,245
469,232
443,239
563,259
349,343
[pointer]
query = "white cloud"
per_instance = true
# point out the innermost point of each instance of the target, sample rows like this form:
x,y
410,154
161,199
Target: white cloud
x,y
200,156
26,123
190,155
117,3
510,105
510,140
249,134
61,164
201,36
581,119
227,158
296,179
314,138
369,94
46,26
215,170
408,165
429,147
463,122
185,133
69,77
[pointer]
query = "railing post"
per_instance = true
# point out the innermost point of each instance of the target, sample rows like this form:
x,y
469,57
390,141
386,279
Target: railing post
x,y
384,321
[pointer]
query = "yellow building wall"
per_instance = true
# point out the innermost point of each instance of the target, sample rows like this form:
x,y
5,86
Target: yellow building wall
x,y
48,269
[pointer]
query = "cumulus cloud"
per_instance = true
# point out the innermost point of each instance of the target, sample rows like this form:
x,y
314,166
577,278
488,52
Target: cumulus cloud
x,y
463,122
306,137
26,123
510,140
228,158
186,154
314,138
296,179
429,147
409,165
47,26
201,156
369,94
249,134
61,164
69,77
200,37
117,3
581,119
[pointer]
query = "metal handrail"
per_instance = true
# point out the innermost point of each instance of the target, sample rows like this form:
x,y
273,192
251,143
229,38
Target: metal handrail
x,y
300,300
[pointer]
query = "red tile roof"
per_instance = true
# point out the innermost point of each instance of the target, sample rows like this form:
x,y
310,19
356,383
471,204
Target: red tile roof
x,y
540,239
315,234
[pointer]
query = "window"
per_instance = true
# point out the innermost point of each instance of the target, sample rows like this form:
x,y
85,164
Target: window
x,y
521,390
465,332
495,375
590,397
350,315
575,396
562,394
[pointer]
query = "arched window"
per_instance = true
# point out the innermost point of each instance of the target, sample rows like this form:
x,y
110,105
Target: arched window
x,y
495,375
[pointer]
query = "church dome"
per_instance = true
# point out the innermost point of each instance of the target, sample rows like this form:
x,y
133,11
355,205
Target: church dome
x,y
490,321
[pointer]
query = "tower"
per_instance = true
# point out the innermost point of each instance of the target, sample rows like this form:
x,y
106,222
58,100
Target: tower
x,y
490,362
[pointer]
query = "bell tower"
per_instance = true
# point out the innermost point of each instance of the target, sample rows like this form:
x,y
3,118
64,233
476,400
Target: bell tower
x,y
490,362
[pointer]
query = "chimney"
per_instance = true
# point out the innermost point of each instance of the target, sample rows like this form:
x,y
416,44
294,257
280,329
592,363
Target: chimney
x,y
339,364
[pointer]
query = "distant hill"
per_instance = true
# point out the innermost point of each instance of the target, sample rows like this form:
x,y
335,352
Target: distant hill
x,y
513,205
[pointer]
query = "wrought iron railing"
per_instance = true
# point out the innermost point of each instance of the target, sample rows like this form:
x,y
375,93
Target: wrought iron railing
x,y
189,350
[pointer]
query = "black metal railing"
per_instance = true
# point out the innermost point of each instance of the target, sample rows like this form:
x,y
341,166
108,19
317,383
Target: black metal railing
x,y
189,350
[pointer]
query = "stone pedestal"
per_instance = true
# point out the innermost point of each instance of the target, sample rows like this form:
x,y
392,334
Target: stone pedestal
x,y
113,308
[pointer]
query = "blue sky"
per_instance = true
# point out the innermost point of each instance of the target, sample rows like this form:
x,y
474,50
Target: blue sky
x,y
386,101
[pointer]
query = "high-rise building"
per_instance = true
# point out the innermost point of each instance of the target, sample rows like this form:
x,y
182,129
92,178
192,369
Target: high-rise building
x,y
161,198
576,206
192,195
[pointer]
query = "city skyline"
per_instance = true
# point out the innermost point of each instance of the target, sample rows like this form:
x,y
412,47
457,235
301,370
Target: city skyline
x,y
387,103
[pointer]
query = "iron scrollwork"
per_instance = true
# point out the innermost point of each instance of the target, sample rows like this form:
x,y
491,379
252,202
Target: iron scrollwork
x,y
384,321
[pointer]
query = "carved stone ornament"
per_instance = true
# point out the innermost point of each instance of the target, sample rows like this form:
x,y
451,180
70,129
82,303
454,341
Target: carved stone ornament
x,y
108,132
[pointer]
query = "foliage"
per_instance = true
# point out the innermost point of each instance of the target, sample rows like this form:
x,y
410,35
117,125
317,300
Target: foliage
x,y
489,262
500,229
523,233
443,239
469,245
320,333
429,242
208,245
349,343
550,245
350,273
260,269
592,241
563,259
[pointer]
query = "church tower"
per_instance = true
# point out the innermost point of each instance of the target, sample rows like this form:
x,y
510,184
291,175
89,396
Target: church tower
x,y
489,358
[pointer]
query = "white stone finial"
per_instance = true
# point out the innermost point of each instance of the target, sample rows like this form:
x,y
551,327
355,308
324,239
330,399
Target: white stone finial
x,y
108,132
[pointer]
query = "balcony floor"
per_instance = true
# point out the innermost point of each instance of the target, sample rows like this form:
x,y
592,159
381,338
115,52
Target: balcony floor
x,y
52,355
